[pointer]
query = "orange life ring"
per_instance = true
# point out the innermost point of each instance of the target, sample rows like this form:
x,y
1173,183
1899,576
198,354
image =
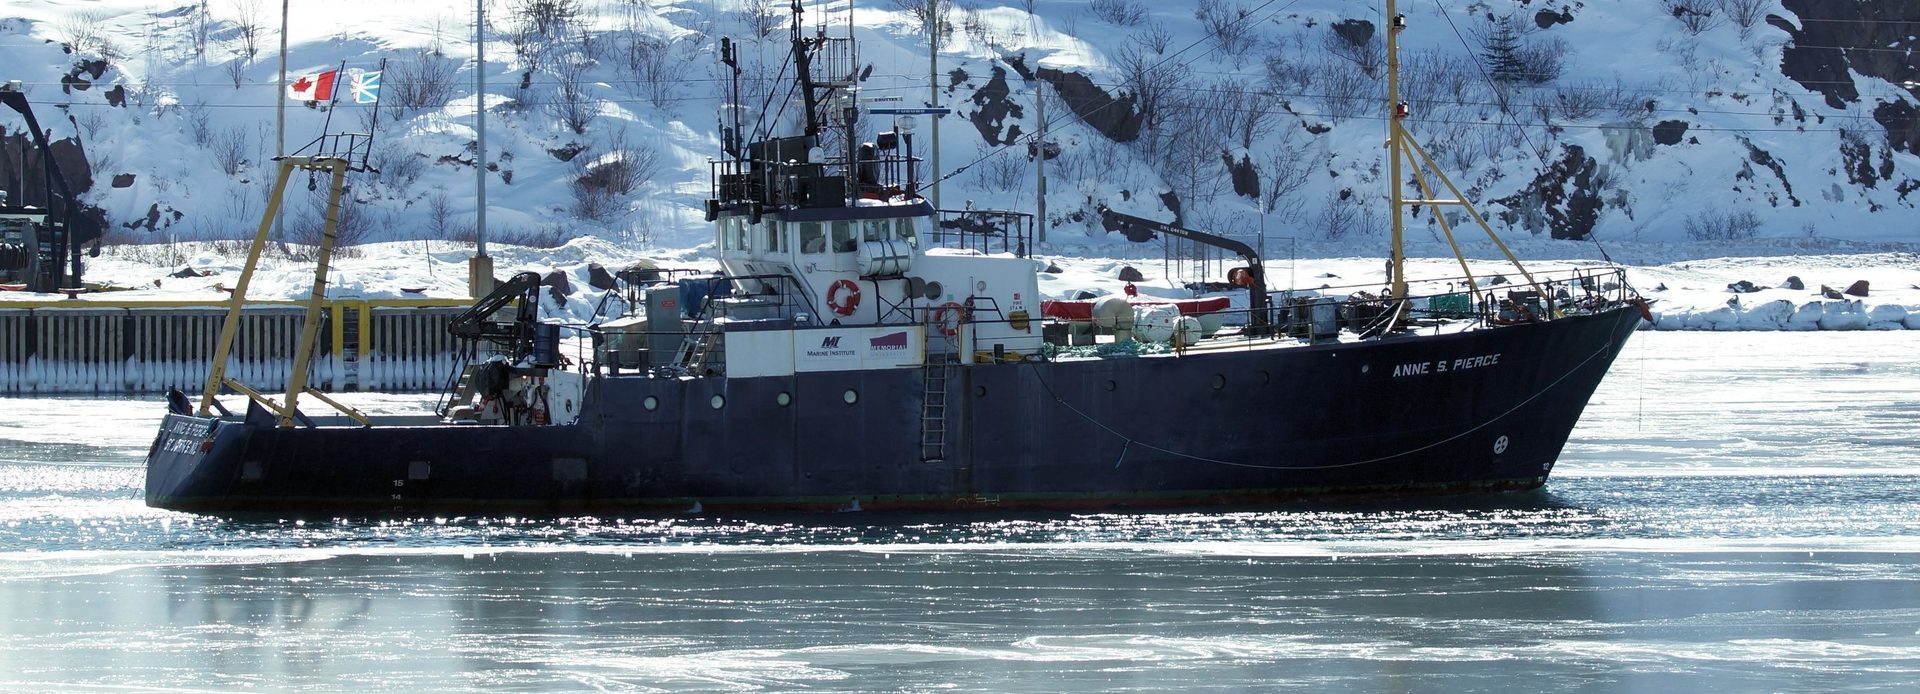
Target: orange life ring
x,y
949,316
1240,277
852,297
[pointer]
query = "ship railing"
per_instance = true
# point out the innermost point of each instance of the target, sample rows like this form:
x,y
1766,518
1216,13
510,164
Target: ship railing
x,y
882,176
1366,310
985,231
693,347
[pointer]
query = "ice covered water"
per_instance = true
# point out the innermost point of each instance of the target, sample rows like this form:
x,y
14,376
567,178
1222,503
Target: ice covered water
x,y
1736,512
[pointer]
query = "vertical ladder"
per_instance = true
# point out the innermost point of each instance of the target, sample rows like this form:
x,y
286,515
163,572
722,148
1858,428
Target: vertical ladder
x,y
933,411
350,321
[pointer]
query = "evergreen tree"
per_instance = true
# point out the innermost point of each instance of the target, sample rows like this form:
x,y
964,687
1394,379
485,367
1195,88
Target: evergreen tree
x,y
1501,49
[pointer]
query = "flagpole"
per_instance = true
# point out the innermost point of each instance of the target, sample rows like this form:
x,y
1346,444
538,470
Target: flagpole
x,y
333,97
280,109
480,266
375,125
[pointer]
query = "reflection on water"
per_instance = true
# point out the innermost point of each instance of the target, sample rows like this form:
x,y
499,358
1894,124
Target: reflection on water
x,y
981,619
1736,514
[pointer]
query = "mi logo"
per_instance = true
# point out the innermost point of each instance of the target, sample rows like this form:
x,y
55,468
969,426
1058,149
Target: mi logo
x,y
830,343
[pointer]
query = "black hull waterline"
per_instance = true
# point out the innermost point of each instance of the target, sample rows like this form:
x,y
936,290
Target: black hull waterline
x,y
1479,410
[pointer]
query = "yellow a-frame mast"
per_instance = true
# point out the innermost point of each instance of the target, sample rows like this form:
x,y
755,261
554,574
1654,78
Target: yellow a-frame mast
x,y
1401,144
336,166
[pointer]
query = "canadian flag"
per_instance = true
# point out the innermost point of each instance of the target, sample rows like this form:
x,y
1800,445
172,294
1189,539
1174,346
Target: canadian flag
x,y
313,87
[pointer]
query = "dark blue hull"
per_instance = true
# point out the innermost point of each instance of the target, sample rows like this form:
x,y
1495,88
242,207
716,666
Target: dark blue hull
x,y
1475,411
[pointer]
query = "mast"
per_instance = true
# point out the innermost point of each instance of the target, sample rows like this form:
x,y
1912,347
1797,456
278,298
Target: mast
x,y
1397,261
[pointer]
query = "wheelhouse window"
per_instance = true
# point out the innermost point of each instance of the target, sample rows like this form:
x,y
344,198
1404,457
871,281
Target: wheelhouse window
x,y
813,238
903,227
874,229
775,237
843,237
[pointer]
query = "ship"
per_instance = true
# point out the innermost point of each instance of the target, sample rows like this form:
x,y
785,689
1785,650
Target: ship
x,y
854,353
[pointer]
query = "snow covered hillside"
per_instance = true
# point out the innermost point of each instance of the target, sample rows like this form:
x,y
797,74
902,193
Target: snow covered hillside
x,y
1727,123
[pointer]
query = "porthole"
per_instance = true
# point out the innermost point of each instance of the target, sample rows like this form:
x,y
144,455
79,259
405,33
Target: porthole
x,y
1261,377
1219,381
783,399
1112,386
850,396
980,391
718,401
651,403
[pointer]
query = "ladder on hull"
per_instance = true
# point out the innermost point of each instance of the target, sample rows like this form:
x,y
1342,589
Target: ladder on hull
x,y
933,411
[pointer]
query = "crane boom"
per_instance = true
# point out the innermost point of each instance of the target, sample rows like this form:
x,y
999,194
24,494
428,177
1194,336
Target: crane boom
x,y
1259,320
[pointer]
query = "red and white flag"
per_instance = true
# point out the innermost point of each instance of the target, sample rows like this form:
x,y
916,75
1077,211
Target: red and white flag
x,y
313,87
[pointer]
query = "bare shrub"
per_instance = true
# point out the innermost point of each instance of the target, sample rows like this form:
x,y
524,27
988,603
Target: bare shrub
x,y
398,167
439,213
570,104
1544,60
1745,13
599,185
86,32
248,27
1228,26
1340,216
549,236
1356,42
422,80
1695,16
199,27
933,17
1345,91
236,71
1124,13
1150,81
229,149
651,63
1001,173
549,19
1243,113
1155,38
1719,225
1286,171
1579,102
199,122
305,231
761,17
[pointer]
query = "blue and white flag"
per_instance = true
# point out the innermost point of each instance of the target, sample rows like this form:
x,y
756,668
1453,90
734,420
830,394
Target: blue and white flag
x,y
365,88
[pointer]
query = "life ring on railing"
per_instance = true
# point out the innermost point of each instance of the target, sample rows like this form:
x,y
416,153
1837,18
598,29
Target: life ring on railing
x,y
851,296
949,316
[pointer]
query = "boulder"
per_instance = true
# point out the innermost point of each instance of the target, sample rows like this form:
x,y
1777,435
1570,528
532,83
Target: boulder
x,y
1793,282
1829,292
557,286
1744,287
1129,274
599,278
1857,289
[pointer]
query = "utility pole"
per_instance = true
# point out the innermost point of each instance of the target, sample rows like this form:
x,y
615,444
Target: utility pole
x,y
934,11
480,266
1040,157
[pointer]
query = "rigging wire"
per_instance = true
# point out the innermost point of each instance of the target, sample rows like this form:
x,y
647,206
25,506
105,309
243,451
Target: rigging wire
x,y
1129,442
1536,152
